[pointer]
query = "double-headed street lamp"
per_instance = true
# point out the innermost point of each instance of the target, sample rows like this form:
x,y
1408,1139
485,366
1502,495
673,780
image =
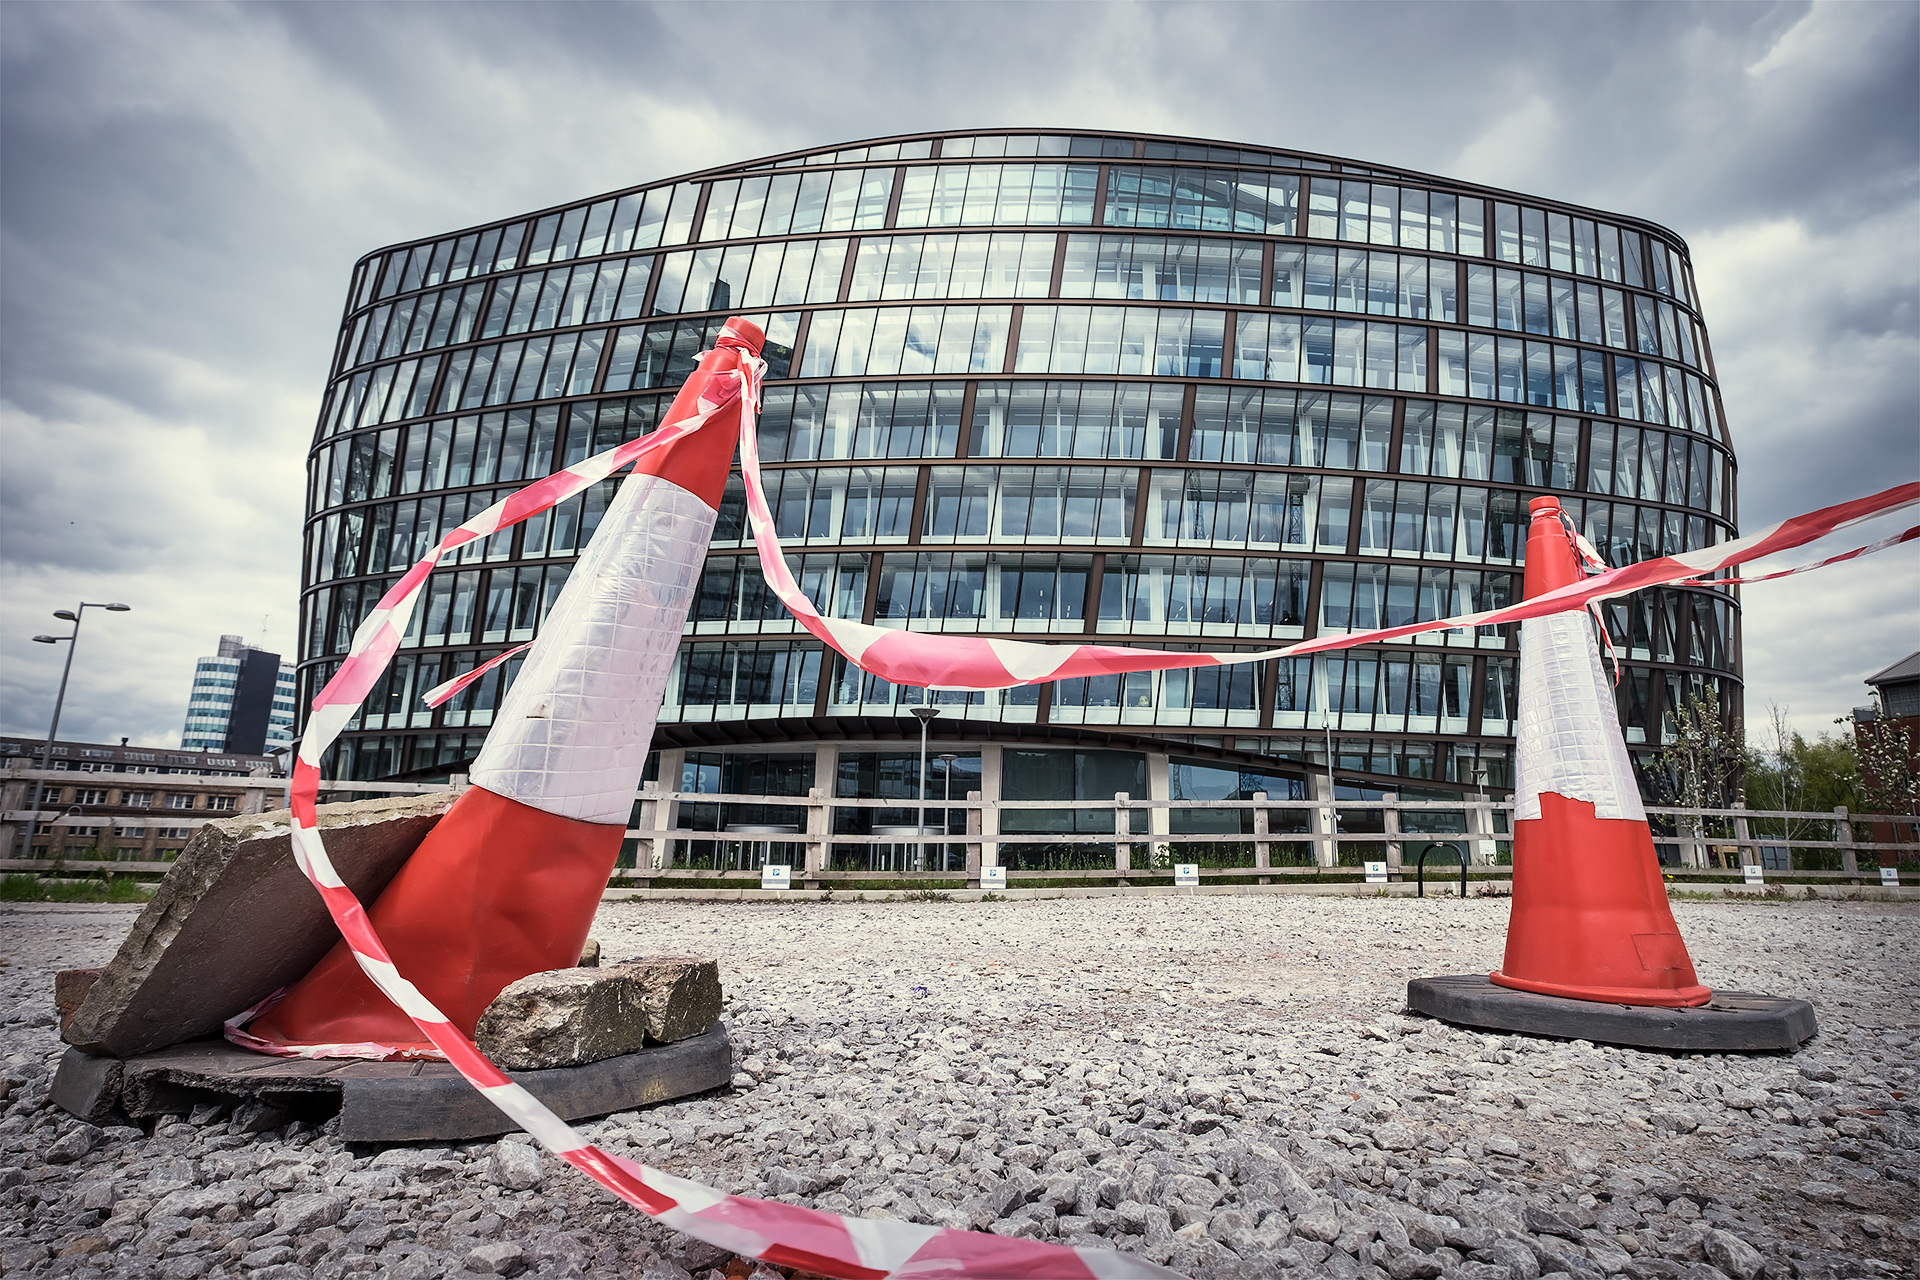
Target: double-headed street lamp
x,y
925,715
46,754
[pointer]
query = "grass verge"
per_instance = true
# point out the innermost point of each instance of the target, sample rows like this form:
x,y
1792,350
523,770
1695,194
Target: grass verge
x,y
27,888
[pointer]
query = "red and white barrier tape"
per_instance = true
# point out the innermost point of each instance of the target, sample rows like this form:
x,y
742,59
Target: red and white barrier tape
x,y
235,1031
1589,556
1894,540
848,1248
931,660
445,690
1591,563
783,1234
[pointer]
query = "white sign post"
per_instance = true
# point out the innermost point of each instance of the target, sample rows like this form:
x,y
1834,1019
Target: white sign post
x,y
1890,877
1186,875
773,876
993,877
1376,873
1755,875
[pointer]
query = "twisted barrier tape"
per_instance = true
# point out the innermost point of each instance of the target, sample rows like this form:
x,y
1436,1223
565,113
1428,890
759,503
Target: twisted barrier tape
x,y
931,660
783,1234
788,1235
442,692
1591,563
1893,540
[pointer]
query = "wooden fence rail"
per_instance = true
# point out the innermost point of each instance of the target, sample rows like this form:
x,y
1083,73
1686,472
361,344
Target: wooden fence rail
x,y
727,837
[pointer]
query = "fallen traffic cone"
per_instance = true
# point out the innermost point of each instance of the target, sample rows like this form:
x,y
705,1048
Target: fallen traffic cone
x,y
1590,917
507,883
1592,948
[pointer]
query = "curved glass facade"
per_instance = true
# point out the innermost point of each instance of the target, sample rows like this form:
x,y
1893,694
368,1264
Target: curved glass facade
x,y
1168,391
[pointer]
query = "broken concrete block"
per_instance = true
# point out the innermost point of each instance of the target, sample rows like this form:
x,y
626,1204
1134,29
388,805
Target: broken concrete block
x,y
86,1086
562,1018
590,954
70,987
568,1017
234,921
681,995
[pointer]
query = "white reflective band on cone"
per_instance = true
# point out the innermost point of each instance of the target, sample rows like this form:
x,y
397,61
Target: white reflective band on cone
x,y
1568,738
571,736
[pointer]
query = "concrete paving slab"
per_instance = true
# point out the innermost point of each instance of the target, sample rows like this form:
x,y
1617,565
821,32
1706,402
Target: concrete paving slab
x,y
234,921
381,1101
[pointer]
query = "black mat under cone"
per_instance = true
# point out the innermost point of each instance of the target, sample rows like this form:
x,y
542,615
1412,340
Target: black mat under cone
x,y
1732,1022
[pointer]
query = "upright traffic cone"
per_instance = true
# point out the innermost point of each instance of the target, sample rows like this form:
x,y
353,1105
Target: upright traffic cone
x,y
1590,918
507,883
1592,949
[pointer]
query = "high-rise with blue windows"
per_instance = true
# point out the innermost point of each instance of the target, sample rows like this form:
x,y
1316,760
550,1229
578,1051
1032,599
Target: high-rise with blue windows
x,y
1161,391
241,700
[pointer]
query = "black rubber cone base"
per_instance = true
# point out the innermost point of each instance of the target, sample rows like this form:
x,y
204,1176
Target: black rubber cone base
x,y
1732,1022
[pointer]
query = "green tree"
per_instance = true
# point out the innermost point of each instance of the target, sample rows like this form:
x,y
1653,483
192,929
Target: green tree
x,y
1700,768
1802,776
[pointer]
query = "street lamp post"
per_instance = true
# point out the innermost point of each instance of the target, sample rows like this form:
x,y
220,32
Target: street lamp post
x,y
1486,814
53,730
946,813
1333,806
925,716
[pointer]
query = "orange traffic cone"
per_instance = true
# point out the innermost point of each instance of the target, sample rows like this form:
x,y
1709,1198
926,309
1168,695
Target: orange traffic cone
x,y
507,883
1590,918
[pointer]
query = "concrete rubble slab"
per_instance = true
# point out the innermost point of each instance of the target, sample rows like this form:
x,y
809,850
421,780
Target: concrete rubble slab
x,y
380,1101
234,921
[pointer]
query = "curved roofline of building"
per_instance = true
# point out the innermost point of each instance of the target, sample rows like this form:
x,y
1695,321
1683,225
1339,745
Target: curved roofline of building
x,y
758,163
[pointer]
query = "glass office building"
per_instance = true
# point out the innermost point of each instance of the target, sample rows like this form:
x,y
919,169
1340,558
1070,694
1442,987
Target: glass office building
x,y
1157,391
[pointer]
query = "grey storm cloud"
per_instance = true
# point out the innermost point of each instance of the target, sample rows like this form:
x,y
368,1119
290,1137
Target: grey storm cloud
x,y
187,187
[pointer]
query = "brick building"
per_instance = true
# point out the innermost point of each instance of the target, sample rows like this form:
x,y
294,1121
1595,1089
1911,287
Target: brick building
x,y
122,803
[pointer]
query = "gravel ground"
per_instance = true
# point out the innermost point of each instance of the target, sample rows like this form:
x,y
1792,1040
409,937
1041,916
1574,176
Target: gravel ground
x,y
1227,1085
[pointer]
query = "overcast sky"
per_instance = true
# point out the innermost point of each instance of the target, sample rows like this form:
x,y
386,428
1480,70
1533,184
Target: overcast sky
x,y
183,190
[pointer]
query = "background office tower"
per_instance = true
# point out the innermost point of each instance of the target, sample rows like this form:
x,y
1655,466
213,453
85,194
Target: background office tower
x,y
1159,391
242,700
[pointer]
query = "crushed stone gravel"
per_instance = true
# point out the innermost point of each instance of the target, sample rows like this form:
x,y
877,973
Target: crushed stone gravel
x,y
1227,1085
